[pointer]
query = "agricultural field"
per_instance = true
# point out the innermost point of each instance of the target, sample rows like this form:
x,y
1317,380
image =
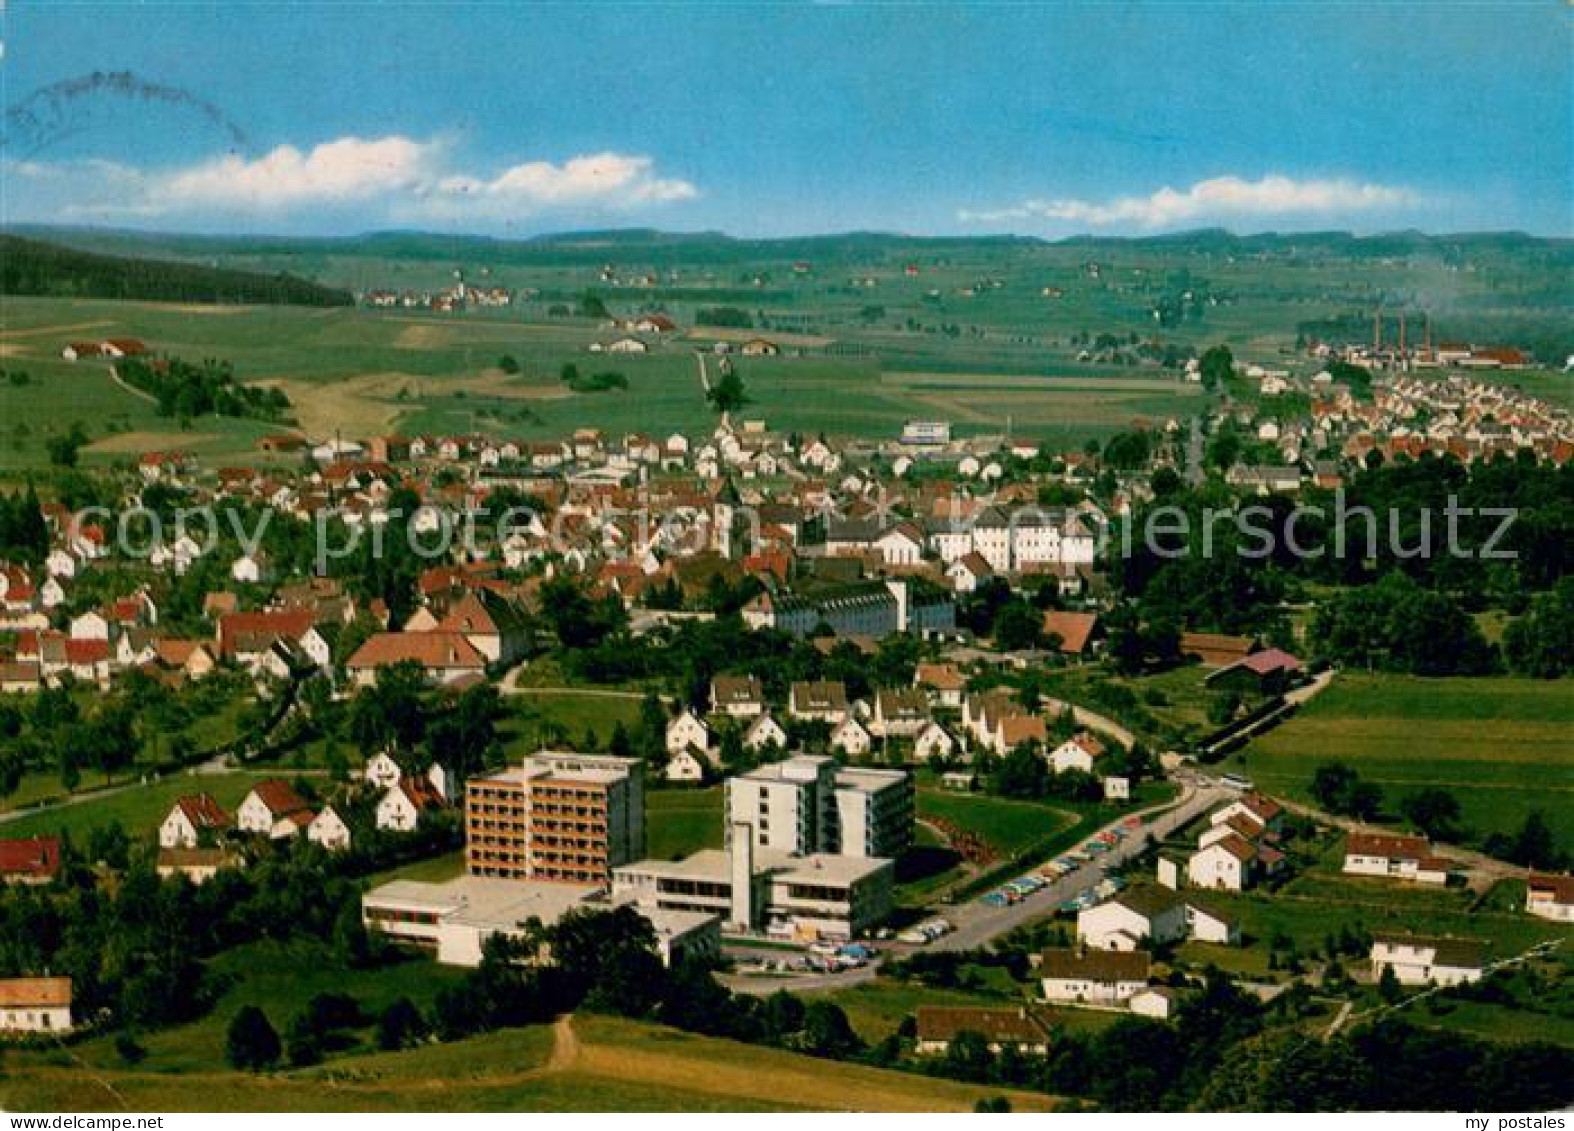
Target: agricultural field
x,y
1501,745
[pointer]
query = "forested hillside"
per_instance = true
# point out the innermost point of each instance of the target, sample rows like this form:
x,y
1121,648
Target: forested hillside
x,y
29,267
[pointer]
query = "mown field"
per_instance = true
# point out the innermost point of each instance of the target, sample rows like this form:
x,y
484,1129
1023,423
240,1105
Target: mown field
x,y
587,1064
1502,746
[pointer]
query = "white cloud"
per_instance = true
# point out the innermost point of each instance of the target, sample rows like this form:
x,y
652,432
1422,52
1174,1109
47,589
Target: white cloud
x,y
1220,198
349,169
613,179
383,178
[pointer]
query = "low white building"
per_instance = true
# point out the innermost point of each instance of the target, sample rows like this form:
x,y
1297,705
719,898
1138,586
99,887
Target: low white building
x,y
190,819
1094,977
453,920
274,810
35,1005
687,765
1417,960
1550,897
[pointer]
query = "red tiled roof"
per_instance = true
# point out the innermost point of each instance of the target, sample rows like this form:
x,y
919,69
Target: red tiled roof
x,y
280,798
1074,629
203,811
432,650
1390,845
35,857
34,993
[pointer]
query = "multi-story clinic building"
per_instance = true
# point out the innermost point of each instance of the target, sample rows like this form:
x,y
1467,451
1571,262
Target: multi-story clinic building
x,y
565,817
809,805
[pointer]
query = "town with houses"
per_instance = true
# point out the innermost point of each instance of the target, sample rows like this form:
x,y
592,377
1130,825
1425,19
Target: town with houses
x,y
832,545
787,558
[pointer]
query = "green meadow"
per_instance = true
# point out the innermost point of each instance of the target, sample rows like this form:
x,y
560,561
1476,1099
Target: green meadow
x,y
1503,746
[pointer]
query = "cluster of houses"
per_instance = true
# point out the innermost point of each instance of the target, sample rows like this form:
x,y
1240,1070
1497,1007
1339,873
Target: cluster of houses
x,y
197,836
1407,414
1237,849
460,296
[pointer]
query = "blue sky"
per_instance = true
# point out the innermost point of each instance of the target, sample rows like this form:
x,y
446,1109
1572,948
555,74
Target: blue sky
x,y
772,120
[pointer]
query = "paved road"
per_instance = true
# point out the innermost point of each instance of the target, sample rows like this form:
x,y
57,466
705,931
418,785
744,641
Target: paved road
x,y
978,923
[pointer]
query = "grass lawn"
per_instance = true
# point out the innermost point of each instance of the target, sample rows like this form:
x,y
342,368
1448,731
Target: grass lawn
x,y
1008,827
281,978
569,713
681,821
1321,902
139,808
434,869
1501,745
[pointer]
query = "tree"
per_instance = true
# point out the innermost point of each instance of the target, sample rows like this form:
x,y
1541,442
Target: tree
x,y
1018,625
1388,987
509,364
1217,365
1533,846
400,1026
1339,789
251,1044
1433,810
827,1032
727,394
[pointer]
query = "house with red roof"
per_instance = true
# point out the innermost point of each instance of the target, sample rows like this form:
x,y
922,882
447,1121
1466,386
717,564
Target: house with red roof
x,y
445,657
273,809
29,860
193,817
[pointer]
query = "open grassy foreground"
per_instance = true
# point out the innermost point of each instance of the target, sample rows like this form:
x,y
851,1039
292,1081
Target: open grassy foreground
x,y
1502,746
581,1064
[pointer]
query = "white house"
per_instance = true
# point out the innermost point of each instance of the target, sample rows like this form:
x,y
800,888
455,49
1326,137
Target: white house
x,y
1079,752
851,738
35,1005
272,809
329,830
401,807
1226,864
1550,897
740,697
764,731
933,740
382,771
1417,960
1157,1002
687,730
189,818
1210,925
1399,857
1095,977
1152,915
686,765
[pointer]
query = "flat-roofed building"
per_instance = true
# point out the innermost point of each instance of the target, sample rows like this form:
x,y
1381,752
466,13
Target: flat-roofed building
x,y
874,812
566,817
803,897
453,919
807,804
789,806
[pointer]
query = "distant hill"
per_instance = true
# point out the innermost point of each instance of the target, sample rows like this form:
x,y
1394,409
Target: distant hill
x,y
32,267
